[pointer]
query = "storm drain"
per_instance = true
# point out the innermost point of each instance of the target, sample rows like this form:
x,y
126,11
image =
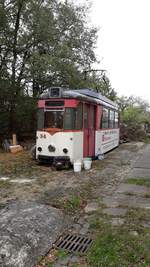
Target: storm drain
x,y
74,243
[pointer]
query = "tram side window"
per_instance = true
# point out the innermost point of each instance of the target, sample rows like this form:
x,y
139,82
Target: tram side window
x,y
105,118
116,120
73,118
69,119
86,117
79,117
40,119
111,119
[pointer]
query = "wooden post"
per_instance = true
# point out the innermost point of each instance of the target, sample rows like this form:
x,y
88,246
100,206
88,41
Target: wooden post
x,y
14,140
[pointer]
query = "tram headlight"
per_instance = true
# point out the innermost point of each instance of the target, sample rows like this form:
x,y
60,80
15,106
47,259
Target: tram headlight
x,y
39,149
65,150
51,148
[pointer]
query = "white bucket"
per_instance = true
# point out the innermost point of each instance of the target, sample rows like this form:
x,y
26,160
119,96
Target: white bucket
x,y
77,166
87,162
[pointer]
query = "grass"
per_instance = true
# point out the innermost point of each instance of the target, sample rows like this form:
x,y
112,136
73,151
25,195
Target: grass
x,y
118,248
138,181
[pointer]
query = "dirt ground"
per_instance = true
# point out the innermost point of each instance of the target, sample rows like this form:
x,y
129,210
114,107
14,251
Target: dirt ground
x,y
21,177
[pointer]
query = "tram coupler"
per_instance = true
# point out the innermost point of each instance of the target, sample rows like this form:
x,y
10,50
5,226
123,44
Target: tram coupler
x,y
61,162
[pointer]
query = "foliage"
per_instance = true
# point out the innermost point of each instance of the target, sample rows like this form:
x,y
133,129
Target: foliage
x,y
134,116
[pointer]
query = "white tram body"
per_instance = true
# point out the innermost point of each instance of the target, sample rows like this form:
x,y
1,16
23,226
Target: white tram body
x,y
74,124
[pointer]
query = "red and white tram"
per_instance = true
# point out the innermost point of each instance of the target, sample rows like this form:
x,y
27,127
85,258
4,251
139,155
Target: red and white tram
x,y
73,124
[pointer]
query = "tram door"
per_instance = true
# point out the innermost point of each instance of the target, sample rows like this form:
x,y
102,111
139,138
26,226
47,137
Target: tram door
x,y
89,130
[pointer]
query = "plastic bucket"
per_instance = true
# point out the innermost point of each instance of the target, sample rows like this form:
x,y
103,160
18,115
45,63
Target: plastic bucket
x,y
77,166
87,162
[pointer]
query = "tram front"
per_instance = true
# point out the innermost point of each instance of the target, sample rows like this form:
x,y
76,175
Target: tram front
x,y
59,138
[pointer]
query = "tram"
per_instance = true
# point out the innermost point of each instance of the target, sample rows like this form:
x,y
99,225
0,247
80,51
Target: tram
x,y
74,124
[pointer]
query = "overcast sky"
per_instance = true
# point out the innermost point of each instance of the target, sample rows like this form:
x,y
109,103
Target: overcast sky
x,y
124,43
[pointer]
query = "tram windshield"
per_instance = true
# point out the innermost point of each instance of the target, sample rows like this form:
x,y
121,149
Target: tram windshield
x,y
67,119
53,119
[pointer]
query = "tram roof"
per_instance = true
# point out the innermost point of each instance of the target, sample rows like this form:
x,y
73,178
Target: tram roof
x,y
92,96
85,95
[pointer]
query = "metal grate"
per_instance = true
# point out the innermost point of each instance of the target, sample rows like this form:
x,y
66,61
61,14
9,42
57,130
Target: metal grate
x,y
74,243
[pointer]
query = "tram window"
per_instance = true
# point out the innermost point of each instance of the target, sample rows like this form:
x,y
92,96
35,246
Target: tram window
x,y
116,119
40,119
92,117
54,119
111,119
79,119
85,116
69,119
105,117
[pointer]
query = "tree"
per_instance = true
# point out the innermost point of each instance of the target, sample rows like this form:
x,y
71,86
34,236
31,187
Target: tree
x,y
98,80
42,43
48,42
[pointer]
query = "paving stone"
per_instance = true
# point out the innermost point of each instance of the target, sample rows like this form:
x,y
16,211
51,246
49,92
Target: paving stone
x,y
132,188
140,173
22,181
77,227
74,259
144,165
127,201
57,264
91,207
134,233
81,221
86,225
115,211
27,231
117,221
115,200
146,224
143,160
83,231
4,178
64,261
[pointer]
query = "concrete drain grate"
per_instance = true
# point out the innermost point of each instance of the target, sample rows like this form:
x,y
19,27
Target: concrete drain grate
x,y
74,243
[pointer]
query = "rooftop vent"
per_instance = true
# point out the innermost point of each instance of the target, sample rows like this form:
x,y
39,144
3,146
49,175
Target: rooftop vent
x,y
55,92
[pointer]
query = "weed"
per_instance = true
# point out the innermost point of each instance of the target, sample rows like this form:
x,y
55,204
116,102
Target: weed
x,y
147,195
129,193
2,206
138,215
4,184
49,264
74,265
138,181
146,140
61,254
72,203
